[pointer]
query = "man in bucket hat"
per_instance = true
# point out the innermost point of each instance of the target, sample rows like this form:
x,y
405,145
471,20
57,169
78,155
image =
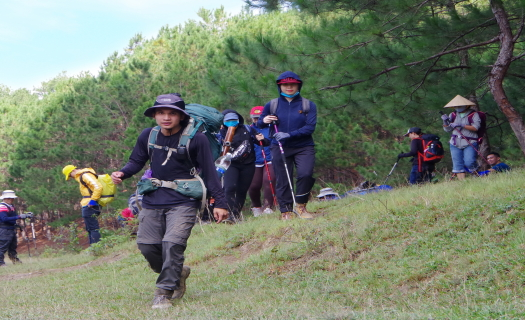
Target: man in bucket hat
x,y
464,141
8,217
167,216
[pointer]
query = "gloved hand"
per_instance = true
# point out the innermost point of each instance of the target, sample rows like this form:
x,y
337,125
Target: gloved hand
x,y
25,215
399,156
445,117
281,135
92,203
455,125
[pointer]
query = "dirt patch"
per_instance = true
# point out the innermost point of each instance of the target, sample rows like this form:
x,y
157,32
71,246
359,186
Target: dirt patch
x,y
97,262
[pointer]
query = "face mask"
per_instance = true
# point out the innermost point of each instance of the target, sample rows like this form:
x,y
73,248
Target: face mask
x,y
290,95
460,109
232,123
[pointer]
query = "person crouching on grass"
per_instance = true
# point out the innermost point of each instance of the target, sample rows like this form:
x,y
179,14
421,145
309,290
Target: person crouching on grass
x,y
167,216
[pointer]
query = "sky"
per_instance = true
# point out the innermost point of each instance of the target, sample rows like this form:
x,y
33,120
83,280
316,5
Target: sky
x,y
40,39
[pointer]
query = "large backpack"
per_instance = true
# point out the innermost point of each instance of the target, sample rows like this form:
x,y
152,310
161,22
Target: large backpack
x,y
433,150
482,125
109,189
202,118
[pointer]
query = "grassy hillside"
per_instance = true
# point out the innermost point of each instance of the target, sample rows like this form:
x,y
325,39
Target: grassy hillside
x,y
454,250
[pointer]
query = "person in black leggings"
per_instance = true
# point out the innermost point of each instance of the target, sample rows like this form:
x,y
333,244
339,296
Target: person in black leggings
x,y
239,175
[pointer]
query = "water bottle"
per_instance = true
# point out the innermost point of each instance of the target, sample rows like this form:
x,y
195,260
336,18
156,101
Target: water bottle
x,y
223,163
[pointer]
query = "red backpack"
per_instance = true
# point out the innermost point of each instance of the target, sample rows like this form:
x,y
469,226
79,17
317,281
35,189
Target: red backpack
x,y
482,125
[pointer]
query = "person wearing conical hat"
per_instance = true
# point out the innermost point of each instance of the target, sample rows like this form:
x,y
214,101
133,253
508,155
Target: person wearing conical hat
x,y
464,135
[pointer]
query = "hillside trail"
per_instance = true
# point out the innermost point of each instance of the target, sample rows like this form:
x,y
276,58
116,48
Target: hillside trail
x,y
97,262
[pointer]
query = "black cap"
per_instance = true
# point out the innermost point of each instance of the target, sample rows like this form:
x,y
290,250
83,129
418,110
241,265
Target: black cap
x,y
411,130
170,100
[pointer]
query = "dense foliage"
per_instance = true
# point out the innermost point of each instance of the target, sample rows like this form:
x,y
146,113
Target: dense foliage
x,y
373,68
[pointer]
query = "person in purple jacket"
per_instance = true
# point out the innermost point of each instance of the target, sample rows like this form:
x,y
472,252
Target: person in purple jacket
x,y
295,126
167,216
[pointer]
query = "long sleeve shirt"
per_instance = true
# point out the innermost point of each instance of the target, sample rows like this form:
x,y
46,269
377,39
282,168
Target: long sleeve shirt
x,y
462,119
177,167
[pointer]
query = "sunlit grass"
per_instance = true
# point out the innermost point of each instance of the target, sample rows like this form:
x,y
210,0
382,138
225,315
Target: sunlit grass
x,y
453,250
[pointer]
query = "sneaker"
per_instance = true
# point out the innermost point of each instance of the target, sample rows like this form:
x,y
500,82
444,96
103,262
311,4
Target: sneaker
x,y
268,211
179,293
3,265
257,212
162,299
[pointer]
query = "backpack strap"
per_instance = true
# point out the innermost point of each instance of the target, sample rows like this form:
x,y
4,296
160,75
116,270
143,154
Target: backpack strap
x,y
152,144
275,102
306,105
273,105
85,184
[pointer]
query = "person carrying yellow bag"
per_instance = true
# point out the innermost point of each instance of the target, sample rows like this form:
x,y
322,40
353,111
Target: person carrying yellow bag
x,y
96,191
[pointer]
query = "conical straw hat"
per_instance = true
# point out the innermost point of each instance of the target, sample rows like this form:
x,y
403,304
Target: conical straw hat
x,y
459,101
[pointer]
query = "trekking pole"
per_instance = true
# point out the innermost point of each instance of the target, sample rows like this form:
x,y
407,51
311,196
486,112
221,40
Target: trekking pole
x,y
27,238
457,130
388,176
33,231
268,173
285,165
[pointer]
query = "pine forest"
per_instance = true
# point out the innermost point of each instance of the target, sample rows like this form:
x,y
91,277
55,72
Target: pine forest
x,y
374,69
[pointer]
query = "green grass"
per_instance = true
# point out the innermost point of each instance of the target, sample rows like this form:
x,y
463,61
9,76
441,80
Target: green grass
x,y
453,250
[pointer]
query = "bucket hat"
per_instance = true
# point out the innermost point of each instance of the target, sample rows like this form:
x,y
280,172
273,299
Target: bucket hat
x,y
8,194
459,101
170,100
326,192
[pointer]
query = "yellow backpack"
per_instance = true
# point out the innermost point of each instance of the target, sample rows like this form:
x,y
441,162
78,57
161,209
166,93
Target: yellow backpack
x,y
109,189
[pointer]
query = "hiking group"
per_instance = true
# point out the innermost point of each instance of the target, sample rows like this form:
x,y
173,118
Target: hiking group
x,y
187,170
467,127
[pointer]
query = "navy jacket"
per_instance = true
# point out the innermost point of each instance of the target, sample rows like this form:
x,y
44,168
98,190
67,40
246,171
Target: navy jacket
x,y
292,119
259,158
8,216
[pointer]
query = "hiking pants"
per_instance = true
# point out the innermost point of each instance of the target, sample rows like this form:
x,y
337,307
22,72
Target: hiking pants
x,y
464,158
260,179
162,239
8,243
90,215
237,180
304,160
420,177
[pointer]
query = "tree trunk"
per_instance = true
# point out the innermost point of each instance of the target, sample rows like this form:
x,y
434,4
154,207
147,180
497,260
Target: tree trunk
x,y
499,70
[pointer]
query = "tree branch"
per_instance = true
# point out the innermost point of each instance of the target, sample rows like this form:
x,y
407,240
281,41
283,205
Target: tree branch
x,y
470,46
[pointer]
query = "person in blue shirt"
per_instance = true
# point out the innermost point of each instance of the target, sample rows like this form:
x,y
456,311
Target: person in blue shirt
x,y
494,160
264,176
295,123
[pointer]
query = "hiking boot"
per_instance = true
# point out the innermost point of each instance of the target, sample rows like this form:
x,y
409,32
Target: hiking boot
x,y
162,299
302,212
257,212
179,293
268,211
286,215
